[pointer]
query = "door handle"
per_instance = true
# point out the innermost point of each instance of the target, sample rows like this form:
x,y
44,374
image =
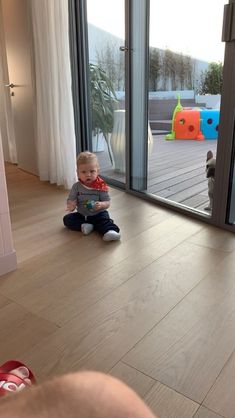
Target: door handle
x,y
123,48
10,85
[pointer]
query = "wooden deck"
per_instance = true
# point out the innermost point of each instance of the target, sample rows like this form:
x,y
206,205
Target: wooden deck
x,y
176,170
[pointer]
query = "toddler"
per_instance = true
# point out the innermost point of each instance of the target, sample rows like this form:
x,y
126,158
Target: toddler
x,y
91,199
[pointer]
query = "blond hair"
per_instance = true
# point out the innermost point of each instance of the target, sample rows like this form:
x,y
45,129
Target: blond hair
x,y
87,157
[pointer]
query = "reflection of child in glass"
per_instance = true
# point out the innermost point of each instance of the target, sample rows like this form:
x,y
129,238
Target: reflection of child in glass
x,y
91,199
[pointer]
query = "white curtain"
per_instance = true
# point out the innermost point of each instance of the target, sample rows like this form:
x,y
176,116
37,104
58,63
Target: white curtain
x,y
55,123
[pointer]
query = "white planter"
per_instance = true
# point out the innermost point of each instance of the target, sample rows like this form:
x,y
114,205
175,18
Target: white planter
x,y
117,142
98,143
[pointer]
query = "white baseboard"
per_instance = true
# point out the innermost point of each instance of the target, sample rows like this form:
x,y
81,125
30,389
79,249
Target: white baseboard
x,y
8,263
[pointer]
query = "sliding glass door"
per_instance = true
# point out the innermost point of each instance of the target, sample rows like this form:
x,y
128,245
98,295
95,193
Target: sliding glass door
x,y
181,151
224,204
185,81
106,40
162,100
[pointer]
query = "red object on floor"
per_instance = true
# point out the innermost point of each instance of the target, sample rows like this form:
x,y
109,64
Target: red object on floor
x,y
10,382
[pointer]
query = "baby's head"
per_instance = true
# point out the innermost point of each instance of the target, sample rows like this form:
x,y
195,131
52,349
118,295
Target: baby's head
x,y
87,167
87,157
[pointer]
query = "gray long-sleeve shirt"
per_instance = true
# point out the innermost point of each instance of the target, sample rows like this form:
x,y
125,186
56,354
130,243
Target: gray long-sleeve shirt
x,y
83,195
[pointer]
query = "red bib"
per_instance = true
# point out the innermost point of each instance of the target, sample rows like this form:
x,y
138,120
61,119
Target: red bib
x,y
97,184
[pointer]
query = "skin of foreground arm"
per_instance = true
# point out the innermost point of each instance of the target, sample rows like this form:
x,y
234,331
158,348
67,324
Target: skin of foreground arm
x,y
77,395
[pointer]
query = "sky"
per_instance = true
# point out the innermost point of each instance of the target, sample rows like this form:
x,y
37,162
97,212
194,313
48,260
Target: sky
x,y
192,27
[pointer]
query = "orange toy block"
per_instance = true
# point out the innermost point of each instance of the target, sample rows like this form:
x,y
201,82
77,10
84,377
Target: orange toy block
x,y
187,125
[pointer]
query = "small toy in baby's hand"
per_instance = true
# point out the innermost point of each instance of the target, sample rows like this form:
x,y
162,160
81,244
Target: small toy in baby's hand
x,y
90,204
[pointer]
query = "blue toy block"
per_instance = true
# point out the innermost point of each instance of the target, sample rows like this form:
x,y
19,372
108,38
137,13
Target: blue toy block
x,y
209,123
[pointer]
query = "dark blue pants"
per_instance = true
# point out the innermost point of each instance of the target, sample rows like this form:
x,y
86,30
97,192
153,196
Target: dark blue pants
x,y
102,222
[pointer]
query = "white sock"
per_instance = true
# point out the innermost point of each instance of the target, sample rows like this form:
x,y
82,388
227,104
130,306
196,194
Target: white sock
x,y
87,228
112,236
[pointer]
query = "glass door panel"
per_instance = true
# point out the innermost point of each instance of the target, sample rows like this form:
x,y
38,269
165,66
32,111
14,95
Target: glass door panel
x,y
185,80
106,39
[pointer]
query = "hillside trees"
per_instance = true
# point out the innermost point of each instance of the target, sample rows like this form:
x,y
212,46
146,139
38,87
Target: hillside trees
x,y
211,80
168,70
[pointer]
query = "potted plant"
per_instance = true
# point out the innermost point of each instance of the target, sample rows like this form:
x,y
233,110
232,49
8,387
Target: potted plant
x,y
103,104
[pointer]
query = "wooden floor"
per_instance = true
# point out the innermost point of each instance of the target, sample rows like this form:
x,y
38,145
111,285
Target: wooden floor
x,y
176,170
156,309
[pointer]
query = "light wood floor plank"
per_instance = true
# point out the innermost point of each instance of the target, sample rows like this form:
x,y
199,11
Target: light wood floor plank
x,y
221,397
104,332
189,347
64,280
206,413
139,382
4,301
156,309
216,238
20,331
69,294
166,403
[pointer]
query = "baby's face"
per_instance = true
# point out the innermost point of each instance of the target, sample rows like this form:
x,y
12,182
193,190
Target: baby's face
x,y
88,172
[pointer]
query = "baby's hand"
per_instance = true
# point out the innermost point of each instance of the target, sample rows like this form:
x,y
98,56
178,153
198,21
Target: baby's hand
x,y
71,205
98,205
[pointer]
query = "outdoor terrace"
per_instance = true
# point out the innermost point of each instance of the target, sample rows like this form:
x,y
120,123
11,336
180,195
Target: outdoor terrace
x,y
176,170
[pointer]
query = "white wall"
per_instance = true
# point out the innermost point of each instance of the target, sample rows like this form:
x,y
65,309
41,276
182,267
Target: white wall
x,y
18,66
172,94
212,101
3,81
7,253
